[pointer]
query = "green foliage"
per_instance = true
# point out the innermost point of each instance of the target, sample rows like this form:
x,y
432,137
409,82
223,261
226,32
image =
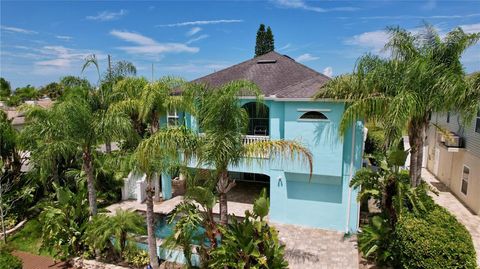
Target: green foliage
x,y
7,260
106,233
376,240
250,243
29,238
136,257
27,93
264,41
63,222
5,89
437,240
52,90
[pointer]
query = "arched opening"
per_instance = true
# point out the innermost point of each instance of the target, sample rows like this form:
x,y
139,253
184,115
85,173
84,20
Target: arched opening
x,y
313,115
258,119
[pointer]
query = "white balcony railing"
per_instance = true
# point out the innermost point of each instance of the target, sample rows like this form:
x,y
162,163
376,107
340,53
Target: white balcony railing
x,y
248,139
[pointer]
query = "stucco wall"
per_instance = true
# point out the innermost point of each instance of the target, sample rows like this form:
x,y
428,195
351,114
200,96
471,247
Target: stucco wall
x,y
450,169
324,200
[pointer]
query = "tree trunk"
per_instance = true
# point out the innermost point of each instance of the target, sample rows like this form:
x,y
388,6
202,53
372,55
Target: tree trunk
x,y
152,241
416,134
154,124
223,187
108,146
223,209
88,169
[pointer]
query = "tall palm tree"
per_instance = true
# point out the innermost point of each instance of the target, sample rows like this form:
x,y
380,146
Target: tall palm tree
x,y
424,75
158,154
224,123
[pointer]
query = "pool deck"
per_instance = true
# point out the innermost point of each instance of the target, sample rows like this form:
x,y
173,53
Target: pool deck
x,y
167,206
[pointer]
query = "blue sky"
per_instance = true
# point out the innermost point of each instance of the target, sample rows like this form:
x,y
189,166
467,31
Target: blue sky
x,y
41,41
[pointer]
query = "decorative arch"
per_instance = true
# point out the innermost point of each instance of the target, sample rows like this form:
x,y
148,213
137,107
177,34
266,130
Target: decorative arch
x,y
258,118
313,116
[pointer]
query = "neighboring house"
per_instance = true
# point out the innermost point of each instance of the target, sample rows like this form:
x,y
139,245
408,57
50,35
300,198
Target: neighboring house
x,y
325,200
17,117
455,159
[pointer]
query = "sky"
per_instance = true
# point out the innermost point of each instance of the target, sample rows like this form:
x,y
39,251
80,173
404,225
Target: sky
x,y
41,41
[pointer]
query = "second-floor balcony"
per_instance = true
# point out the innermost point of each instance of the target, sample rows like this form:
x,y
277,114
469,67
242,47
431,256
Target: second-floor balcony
x,y
249,139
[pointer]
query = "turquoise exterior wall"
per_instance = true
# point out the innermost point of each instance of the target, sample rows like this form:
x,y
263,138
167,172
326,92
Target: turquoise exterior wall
x,y
323,200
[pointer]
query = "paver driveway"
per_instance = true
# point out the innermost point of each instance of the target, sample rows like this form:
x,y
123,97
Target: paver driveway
x,y
452,204
309,248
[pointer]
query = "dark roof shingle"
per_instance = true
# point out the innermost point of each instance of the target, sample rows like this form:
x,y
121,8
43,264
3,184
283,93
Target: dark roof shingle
x,y
276,75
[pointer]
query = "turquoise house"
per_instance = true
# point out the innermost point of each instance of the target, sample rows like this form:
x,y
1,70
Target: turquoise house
x,y
324,200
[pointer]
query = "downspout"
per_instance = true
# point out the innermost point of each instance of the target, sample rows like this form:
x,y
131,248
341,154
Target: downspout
x,y
350,178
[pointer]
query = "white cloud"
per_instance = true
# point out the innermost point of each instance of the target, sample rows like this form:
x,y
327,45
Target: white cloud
x,y
107,15
146,45
374,40
17,30
200,37
193,31
471,28
284,47
64,37
60,59
300,4
307,57
328,71
189,23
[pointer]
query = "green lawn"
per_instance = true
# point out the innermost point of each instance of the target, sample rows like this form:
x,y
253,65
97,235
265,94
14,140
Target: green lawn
x,y
28,239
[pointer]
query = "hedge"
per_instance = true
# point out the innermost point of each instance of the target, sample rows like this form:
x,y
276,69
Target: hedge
x,y
8,261
434,241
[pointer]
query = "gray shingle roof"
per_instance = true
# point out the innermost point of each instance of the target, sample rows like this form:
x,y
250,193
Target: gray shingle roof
x,y
276,75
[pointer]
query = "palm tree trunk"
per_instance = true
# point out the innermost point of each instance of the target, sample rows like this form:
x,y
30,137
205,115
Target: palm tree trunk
x,y
108,146
88,169
154,124
223,187
152,241
416,134
223,209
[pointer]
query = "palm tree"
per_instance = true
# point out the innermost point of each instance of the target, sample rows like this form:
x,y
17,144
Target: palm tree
x,y
120,226
157,154
224,123
424,75
104,93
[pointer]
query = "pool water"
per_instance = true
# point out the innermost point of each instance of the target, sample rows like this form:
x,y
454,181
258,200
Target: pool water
x,y
163,229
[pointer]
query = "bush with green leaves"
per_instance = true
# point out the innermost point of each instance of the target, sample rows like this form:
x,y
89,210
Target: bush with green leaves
x,y
8,261
111,233
136,257
250,243
437,240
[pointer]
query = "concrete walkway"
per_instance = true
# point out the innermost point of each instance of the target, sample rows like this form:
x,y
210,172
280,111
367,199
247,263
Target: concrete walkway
x,y
452,204
309,248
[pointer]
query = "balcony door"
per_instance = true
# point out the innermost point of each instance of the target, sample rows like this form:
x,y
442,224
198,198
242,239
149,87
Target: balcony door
x,y
258,119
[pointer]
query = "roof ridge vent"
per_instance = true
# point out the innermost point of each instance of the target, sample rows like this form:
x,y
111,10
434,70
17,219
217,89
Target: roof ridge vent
x,y
266,61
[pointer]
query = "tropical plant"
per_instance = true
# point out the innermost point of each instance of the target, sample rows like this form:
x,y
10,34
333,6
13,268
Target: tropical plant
x,y
376,240
250,243
64,220
27,93
112,232
194,220
424,75
52,90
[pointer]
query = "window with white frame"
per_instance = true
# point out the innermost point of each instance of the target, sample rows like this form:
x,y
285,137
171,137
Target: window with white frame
x,y
172,118
465,174
477,122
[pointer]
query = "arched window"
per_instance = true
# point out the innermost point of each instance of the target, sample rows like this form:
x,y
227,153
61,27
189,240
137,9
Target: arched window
x,y
313,116
258,118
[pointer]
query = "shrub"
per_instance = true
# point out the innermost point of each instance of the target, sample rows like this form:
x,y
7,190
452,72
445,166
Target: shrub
x,y
8,261
437,240
136,257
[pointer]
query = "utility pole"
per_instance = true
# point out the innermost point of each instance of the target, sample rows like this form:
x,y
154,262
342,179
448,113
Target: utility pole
x,y
108,143
152,72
